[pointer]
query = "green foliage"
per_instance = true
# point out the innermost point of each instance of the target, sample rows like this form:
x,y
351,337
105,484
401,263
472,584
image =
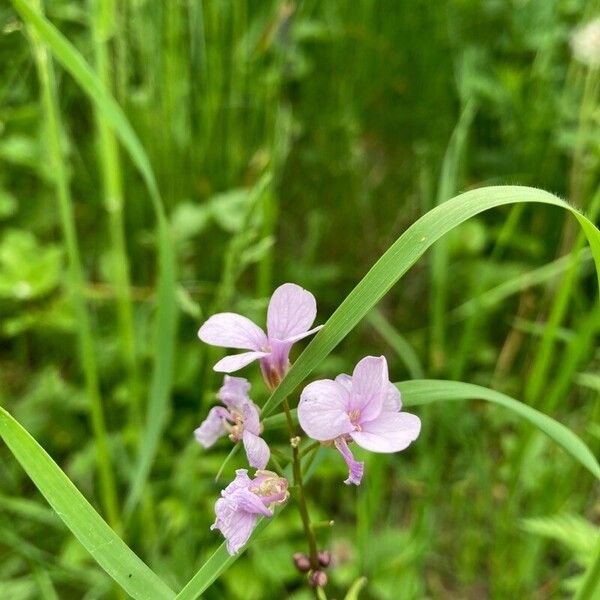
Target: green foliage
x,y
212,150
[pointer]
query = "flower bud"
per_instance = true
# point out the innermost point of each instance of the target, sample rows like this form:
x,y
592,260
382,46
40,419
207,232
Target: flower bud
x,y
324,558
301,562
317,579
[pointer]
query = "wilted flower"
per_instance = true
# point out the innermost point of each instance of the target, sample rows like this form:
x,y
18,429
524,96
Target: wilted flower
x,y
585,43
292,310
240,419
364,408
243,500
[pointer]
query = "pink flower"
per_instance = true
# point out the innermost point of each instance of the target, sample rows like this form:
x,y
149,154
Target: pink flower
x,y
240,419
292,311
364,408
243,500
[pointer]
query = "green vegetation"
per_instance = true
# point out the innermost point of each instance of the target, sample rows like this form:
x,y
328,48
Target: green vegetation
x,y
406,162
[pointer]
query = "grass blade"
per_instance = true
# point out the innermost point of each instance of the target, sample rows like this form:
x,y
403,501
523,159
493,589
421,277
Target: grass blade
x,y
111,553
426,391
403,253
55,140
218,563
166,317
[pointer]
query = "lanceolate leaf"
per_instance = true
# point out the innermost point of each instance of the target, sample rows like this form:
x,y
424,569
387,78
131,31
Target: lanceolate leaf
x,y
107,548
403,253
426,391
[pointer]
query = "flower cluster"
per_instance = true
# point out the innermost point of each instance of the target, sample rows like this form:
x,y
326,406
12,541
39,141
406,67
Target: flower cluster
x,y
364,408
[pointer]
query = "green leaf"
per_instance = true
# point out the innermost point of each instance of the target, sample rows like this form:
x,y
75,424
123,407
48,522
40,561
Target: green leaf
x,y
426,391
166,317
27,269
218,562
111,553
396,261
356,588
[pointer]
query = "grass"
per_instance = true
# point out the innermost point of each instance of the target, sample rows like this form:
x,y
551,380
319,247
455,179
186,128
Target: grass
x,y
175,160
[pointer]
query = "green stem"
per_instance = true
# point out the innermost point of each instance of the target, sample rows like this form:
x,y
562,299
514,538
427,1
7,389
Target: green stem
x,y
301,498
590,588
103,23
77,286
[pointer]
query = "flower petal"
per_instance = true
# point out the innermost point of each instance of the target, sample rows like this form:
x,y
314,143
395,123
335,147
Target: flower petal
x,y
299,336
369,387
251,416
257,450
236,517
390,432
231,330
234,392
241,481
345,380
235,525
356,468
392,401
322,410
232,363
291,311
211,429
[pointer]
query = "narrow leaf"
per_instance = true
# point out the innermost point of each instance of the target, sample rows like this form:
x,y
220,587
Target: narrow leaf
x,y
426,391
107,548
403,253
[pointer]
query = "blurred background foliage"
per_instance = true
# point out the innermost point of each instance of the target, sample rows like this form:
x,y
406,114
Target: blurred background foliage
x,y
294,141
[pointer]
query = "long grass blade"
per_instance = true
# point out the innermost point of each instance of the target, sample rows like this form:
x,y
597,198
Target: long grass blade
x,y
166,317
55,141
403,253
111,553
426,391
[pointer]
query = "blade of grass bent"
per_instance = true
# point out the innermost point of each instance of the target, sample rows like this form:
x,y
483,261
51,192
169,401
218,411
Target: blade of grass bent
x,y
403,253
166,317
424,391
107,548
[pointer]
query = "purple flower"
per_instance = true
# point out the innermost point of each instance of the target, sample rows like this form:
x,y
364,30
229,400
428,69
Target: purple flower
x,y
364,408
243,500
240,419
292,310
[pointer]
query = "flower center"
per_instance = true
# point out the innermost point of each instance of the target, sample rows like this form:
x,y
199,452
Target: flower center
x,y
271,488
236,430
354,416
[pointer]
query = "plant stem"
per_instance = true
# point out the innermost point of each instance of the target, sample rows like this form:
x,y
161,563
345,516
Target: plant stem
x,y
55,141
590,588
103,22
301,499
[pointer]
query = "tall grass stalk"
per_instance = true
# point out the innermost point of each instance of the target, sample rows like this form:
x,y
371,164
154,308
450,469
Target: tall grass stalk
x,y
469,331
103,27
448,186
543,359
56,141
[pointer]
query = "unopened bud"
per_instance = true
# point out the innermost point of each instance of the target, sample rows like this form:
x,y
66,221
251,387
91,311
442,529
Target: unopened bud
x,y
317,579
302,562
324,558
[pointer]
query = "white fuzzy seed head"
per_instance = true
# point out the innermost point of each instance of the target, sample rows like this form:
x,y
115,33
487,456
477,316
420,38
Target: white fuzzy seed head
x,y
585,43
